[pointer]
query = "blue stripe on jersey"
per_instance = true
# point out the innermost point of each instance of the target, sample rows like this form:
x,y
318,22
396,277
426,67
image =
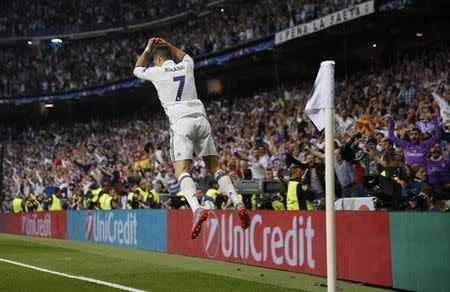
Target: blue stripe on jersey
x,y
220,174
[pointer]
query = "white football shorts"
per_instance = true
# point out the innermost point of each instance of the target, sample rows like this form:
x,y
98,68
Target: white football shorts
x,y
191,134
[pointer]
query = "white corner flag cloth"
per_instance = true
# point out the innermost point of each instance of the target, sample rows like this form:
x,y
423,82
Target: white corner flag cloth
x,y
322,95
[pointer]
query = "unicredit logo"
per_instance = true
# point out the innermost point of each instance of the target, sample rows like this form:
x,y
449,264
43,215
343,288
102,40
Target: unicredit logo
x,y
261,243
34,226
211,235
88,226
104,227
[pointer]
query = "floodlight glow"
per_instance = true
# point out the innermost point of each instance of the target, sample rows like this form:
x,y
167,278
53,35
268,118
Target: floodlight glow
x,y
56,41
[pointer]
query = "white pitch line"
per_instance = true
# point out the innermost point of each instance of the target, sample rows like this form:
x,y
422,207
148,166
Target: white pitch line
x,y
100,282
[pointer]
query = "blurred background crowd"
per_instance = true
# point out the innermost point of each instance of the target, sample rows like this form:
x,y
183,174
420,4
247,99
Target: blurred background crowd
x,y
392,120
258,137
92,62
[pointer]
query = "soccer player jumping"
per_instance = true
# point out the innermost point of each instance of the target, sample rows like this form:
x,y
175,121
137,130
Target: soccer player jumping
x,y
190,130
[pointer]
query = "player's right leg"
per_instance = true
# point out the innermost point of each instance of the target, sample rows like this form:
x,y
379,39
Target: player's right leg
x,y
212,164
181,155
187,185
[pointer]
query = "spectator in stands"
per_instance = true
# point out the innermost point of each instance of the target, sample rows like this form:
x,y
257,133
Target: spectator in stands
x,y
415,150
407,93
437,167
444,104
387,154
315,175
171,182
244,173
259,163
72,70
204,200
204,179
345,172
268,174
6,204
344,123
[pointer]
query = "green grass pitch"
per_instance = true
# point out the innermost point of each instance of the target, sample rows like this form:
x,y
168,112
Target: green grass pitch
x,y
139,269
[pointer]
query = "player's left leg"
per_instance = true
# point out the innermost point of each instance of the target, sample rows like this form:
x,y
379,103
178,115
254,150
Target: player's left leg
x,y
212,164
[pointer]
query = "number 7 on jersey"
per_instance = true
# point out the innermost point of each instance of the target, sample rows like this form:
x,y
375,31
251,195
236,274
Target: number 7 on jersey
x,y
180,79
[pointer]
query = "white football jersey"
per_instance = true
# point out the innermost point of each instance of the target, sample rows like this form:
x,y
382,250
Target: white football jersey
x,y
175,84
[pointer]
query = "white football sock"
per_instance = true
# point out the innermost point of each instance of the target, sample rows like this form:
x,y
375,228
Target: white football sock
x,y
227,186
188,189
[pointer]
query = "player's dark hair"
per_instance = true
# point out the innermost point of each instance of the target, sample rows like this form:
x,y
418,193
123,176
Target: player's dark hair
x,y
162,52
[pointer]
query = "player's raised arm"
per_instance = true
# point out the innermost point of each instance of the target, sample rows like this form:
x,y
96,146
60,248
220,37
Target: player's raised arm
x,y
142,61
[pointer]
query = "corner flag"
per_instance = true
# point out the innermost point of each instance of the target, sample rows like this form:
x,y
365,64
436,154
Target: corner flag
x,y
322,95
320,109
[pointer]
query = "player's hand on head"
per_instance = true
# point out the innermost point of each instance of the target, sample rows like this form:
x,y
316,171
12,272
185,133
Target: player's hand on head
x,y
162,41
151,42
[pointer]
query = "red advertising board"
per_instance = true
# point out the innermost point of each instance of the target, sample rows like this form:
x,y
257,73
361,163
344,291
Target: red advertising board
x,y
293,241
42,224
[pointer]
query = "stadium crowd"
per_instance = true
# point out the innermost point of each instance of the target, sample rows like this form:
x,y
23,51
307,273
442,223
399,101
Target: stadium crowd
x,y
73,65
22,18
391,121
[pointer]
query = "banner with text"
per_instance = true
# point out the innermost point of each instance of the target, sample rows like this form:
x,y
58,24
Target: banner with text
x,y
42,224
292,241
144,229
341,16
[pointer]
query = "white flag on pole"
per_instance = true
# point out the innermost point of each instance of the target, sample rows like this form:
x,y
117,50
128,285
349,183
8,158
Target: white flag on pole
x,y
322,95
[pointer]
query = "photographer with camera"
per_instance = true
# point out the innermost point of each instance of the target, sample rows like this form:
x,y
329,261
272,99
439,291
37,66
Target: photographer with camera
x,y
414,181
426,200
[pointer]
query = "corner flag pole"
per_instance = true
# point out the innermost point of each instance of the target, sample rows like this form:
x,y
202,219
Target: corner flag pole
x,y
329,195
320,109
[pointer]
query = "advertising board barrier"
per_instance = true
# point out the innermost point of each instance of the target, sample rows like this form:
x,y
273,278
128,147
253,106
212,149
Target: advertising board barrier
x,y
420,257
290,240
130,228
41,224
